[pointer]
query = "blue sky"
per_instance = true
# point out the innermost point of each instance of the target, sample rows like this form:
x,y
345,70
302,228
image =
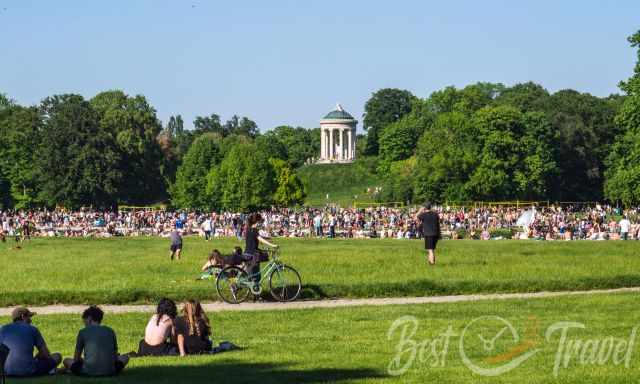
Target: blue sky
x,y
290,62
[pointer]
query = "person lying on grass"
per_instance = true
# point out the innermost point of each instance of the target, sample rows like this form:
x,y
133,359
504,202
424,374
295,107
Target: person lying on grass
x,y
21,338
216,262
193,330
159,335
99,345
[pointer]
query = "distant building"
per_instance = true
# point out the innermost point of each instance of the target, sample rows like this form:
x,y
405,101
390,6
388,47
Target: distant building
x,y
338,137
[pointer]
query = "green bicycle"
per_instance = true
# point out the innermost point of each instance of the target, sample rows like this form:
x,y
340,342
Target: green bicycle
x,y
234,284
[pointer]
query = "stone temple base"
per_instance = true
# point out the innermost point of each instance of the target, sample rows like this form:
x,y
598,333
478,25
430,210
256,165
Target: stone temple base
x,y
334,161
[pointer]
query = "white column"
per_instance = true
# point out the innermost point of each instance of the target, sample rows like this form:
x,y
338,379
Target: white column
x,y
341,154
349,145
327,144
321,143
331,143
353,144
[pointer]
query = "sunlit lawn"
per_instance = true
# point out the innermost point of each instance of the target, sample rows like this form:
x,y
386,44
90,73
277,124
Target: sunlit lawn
x,y
130,270
351,344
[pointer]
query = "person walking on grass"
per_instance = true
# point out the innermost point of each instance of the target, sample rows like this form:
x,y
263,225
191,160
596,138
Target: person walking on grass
x,y
207,227
625,226
430,230
176,244
99,346
21,338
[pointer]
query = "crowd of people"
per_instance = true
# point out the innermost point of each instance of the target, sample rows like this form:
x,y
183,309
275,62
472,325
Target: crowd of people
x,y
559,222
168,333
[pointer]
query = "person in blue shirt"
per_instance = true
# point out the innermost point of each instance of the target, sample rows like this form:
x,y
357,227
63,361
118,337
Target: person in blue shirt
x,y
21,338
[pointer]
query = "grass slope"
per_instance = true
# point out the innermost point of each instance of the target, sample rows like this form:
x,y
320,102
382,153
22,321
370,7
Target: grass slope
x,y
340,181
351,344
136,270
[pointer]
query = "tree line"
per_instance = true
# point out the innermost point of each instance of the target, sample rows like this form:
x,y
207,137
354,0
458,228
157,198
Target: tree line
x,y
113,150
485,141
488,142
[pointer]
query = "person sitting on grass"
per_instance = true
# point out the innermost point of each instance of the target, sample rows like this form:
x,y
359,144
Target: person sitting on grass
x,y
159,334
193,330
100,348
21,338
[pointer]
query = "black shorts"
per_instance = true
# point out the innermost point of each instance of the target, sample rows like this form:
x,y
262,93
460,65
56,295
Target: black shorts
x,y
76,368
430,242
164,349
175,247
44,366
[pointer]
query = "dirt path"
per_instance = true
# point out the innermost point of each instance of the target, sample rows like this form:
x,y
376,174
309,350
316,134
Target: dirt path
x,y
262,306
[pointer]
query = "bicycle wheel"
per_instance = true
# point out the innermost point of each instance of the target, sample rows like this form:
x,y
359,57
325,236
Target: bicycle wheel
x,y
232,285
285,283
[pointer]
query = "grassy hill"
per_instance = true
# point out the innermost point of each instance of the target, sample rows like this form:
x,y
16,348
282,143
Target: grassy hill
x,y
342,182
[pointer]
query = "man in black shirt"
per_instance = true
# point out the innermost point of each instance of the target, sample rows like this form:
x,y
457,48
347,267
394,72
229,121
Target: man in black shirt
x,y
430,230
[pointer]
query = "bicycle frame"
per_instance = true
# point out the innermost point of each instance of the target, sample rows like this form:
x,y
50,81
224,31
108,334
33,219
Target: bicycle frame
x,y
268,269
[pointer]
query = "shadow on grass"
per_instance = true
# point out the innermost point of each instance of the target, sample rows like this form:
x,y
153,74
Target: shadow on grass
x,y
417,287
242,372
230,371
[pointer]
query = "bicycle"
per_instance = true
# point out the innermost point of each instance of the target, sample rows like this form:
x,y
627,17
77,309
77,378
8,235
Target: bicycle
x,y
234,284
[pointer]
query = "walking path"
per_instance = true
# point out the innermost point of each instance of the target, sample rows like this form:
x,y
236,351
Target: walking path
x,y
267,306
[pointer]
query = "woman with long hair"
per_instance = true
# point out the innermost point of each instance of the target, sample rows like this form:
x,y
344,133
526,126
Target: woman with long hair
x,y
159,334
252,240
193,330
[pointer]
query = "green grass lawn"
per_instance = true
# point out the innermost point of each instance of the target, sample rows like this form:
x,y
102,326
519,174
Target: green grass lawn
x,y
136,270
342,182
351,344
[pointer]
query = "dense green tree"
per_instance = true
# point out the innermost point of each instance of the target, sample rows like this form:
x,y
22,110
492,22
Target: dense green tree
x,y
174,142
5,187
290,190
133,124
526,97
300,144
244,180
20,130
398,182
515,159
241,126
5,191
78,161
446,155
399,139
586,129
466,100
229,142
623,173
209,124
385,106
189,190
270,143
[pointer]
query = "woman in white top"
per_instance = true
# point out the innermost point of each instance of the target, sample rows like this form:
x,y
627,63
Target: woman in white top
x,y
159,335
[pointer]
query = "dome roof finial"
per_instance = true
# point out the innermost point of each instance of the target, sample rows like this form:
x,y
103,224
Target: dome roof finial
x,y
339,107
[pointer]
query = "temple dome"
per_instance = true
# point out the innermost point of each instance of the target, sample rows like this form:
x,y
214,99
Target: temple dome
x,y
338,114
